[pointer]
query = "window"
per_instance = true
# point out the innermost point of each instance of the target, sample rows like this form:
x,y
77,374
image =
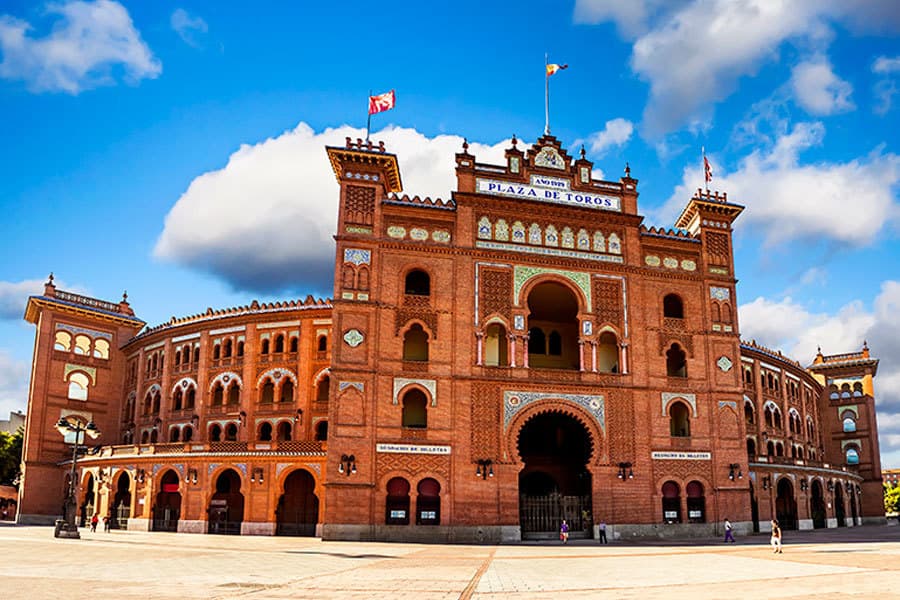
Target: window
x,y
234,395
323,390
231,431
294,343
608,353
215,433
284,431
322,431
418,283
396,509
852,456
287,391
415,344
537,342
496,346
264,348
217,351
226,349
82,345
751,450
63,341
174,434
671,502
218,395
78,386
748,413
177,357
187,434
279,343
265,432
268,392
696,502
177,399
554,344
428,502
676,362
857,390
240,348
673,307
101,349
196,354
190,397
415,413
322,344
157,397
679,420
849,424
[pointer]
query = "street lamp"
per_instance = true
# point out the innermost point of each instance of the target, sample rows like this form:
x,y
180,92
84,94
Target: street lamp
x,y
66,528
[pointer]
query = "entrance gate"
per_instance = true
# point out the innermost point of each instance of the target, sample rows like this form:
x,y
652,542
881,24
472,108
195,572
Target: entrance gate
x,y
540,516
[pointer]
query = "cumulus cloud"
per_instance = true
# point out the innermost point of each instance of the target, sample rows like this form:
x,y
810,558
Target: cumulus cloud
x,y
693,53
89,45
818,90
886,64
264,222
13,384
788,200
14,296
189,29
886,87
616,133
793,328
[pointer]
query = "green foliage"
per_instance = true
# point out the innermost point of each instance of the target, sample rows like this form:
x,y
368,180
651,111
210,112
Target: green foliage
x,y
10,456
892,499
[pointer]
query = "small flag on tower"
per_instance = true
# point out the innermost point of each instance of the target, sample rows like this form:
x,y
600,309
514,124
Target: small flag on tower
x,y
381,102
707,169
552,68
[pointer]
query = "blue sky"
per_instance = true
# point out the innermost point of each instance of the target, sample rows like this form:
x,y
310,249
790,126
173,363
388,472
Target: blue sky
x,y
175,149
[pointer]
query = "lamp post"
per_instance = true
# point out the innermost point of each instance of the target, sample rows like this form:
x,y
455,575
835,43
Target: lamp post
x,y
66,527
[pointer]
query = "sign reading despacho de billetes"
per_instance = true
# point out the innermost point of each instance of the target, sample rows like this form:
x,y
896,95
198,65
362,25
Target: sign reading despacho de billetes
x,y
548,189
681,455
411,449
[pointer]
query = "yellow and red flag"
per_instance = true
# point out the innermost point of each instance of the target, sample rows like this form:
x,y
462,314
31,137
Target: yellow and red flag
x,y
381,102
552,68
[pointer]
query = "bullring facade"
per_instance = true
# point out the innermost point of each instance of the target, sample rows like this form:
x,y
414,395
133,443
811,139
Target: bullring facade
x,y
522,352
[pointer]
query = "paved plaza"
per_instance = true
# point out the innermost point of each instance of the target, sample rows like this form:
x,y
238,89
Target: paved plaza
x,y
861,562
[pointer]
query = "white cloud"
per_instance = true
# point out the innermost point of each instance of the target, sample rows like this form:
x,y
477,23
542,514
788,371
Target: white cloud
x,y
188,28
14,296
13,385
791,327
616,133
90,44
787,200
818,90
265,221
886,64
693,53
886,88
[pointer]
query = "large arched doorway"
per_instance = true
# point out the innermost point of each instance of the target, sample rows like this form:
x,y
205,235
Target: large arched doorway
x,y
555,483
226,507
553,327
298,506
754,509
786,504
87,505
121,508
167,508
839,511
817,505
853,508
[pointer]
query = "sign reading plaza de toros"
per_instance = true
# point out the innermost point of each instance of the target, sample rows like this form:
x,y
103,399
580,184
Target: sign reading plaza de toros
x,y
548,189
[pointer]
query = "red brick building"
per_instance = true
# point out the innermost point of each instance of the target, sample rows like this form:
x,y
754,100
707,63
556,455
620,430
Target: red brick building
x,y
521,352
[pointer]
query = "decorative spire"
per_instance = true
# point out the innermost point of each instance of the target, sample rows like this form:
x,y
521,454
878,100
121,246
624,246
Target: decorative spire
x,y
50,279
125,296
582,152
465,145
514,141
627,170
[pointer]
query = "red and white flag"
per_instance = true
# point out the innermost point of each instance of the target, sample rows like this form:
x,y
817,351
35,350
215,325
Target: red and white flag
x,y
707,170
552,68
381,102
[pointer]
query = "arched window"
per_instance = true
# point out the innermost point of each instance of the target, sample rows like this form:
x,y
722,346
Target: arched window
x,y
293,344
751,449
676,362
284,431
428,502
215,433
322,344
264,347
279,343
154,436
148,404
415,344
776,417
496,347
857,390
554,344
748,376
671,502
537,342
748,413
415,413
187,433
418,283
849,423
362,279
174,434
101,349
190,397
217,351
696,502
157,398
234,394
145,437
716,312
287,391
268,392
78,386
673,307
608,353
779,449
322,431
196,354
770,421
226,349
770,449
852,455
82,345
324,389
240,348
845,388
265,432
177,357
231,432
63,341
679,420
177,399
397,503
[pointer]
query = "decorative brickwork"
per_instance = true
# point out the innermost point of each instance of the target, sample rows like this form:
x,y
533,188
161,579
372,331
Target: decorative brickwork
x,y
621,427
667,337
717,244
486,401
360,206
495,295
682,470
413,464
608,299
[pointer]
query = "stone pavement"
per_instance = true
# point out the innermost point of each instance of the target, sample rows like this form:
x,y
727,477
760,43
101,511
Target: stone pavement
x,y
861,562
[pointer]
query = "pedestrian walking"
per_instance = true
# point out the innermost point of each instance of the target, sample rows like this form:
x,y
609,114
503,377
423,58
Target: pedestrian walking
x,y
603,532
729,531
776,537
94,520
106,524
564,532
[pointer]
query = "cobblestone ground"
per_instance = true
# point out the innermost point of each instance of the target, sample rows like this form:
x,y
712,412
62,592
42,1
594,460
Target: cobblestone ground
x,y
862,562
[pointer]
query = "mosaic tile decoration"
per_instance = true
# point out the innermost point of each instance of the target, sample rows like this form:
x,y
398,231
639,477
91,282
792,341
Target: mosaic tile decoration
x,y
357,256
90,332
514,401
524,274
689,398
428,384
719,293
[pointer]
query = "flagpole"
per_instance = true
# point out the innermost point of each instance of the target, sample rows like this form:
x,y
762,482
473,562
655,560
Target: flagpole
x,y
546,96
369,118
703,165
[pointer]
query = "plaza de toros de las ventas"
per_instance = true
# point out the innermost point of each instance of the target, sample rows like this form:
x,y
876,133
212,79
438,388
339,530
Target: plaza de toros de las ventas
x,y
525,350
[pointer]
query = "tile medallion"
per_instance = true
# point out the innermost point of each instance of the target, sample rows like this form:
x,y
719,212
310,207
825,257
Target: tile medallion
x,y
513,402
582,280
724,363
353,337
357,256
719,293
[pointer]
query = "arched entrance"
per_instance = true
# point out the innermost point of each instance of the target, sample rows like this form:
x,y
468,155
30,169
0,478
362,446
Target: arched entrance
x,y
167,508
226,507
554,483
754,509
121,506
298,506
786,505
853,508
817,505
553,327
87,505
839,511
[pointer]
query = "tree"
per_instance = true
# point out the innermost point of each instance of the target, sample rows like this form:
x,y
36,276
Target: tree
x,y
891,499
10,456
